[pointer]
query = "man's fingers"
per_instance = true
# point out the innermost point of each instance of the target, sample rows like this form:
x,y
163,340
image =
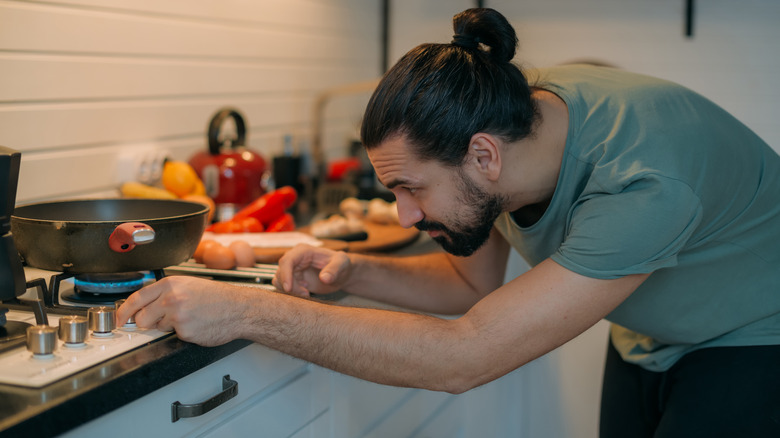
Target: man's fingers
x,y
134,303
334,267
148,317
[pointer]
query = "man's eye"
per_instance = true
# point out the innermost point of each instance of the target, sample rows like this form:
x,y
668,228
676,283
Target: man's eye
x,y
411,189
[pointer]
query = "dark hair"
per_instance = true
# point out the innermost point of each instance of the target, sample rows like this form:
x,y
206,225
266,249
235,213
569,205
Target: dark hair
x,y
439,95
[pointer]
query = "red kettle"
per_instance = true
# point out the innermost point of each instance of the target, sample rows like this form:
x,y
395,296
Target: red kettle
x,y
232,174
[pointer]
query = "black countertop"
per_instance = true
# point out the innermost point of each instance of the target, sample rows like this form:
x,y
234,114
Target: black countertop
x,y
78,399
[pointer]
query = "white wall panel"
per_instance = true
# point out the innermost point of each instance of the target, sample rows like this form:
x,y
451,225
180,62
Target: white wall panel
x,y
109,32
85,81
49,78
64,125
320,15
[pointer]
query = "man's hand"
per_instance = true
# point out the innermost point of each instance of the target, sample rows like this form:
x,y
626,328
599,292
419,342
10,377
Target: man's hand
x,y
307,269
201,311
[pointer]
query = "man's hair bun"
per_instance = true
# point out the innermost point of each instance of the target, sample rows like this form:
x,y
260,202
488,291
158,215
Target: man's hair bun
x,y
487,27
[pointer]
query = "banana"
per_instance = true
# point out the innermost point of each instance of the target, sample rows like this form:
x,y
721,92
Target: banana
x,y
134,189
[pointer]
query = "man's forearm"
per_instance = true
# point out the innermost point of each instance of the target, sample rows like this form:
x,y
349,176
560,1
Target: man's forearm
x,y
427,283
386,347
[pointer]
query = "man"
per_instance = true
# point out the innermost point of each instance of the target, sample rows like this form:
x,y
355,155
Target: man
x,y
633,199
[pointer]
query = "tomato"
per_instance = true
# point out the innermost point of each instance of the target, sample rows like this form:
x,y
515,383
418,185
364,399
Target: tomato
x,y
285,223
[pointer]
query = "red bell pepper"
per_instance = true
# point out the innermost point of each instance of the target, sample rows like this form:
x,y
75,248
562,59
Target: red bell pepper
x,y
245,225
284,223
270,206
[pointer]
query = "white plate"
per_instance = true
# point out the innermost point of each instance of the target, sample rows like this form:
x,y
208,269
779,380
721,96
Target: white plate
x,y
285,239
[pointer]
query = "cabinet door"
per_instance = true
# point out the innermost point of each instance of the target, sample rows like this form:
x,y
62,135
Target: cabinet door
x,y
364,409
446,423
288,410
417,412
259,372
319,428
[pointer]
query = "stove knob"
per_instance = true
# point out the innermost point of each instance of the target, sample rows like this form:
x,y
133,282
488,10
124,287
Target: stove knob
x,y
102,320
73,329
130,321
41,339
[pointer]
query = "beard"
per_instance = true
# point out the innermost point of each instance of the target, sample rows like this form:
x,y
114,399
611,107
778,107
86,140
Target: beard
x,y
471,229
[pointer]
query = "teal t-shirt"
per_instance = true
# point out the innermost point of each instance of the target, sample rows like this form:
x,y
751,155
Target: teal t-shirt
x,y
656,178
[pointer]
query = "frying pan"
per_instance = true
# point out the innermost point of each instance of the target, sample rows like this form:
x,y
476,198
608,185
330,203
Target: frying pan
x,y
108,235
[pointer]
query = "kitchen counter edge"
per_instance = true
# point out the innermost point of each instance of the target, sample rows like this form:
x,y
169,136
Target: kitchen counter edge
x,y
68,403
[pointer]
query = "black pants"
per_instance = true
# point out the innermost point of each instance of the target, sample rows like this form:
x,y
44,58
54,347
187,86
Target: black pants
x,y
714,392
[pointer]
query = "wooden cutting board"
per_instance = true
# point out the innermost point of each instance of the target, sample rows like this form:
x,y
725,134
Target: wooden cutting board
x,y
381,238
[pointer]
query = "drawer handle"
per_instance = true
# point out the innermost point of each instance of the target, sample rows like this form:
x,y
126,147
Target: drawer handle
x,y
229,390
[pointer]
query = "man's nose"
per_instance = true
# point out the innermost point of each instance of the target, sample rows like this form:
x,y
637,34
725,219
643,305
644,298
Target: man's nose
x,y
408,212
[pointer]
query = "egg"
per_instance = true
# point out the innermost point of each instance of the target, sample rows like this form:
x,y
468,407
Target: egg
x,y
245,256
219,257
202,246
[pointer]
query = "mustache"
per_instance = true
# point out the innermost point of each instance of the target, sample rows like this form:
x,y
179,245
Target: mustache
x,y
424,225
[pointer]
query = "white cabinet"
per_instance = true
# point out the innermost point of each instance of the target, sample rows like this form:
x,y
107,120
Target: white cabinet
x,y
279,416
447,422
319,427
361,409
277,397
365,409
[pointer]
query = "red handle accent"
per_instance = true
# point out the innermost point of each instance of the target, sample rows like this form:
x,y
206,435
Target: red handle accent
x,y
129,234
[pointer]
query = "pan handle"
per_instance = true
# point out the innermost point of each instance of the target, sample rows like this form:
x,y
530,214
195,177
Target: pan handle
x,y
129,234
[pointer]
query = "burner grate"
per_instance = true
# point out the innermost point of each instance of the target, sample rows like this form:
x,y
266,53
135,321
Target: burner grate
x,y
13,334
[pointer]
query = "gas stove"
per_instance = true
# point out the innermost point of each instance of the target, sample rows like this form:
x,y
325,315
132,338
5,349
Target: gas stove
x,y
24,368
73,327
73,320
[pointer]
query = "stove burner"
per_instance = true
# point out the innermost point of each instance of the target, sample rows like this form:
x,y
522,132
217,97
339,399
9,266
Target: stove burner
x,y
13,334
121,283
104,289
76,297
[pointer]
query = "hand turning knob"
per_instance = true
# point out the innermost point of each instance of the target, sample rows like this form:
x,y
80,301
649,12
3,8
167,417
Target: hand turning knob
x,y
130,321
102,320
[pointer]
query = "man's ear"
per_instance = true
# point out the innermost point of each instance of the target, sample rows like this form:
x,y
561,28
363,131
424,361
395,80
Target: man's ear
x,y
485,152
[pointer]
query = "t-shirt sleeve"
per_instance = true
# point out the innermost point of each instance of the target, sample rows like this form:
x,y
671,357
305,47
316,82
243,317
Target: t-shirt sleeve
x,y
638,230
